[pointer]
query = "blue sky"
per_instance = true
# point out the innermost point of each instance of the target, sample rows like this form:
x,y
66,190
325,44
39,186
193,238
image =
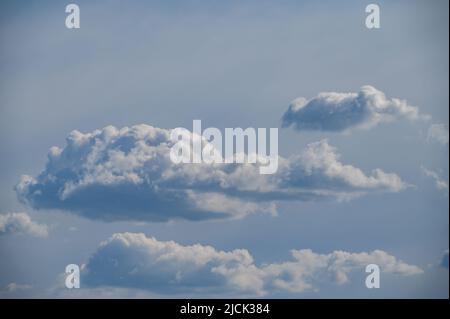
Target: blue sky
x,y
230,64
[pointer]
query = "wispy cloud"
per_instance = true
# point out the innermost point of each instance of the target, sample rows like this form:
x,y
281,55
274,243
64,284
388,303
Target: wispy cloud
x,y
440,183
14,287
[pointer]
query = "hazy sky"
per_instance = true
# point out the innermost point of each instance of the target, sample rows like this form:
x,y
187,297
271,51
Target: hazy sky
x,y
230,64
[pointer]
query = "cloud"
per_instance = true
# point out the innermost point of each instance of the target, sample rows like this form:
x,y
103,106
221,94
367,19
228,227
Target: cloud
x,y
61,292
332,111
440,183
132,260
444,260
127,174
11,223
438,133
14,287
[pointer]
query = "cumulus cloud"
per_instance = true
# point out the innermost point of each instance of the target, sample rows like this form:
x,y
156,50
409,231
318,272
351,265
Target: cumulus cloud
x,y
127,174
438,133
21,223
440,183
132,260
332,111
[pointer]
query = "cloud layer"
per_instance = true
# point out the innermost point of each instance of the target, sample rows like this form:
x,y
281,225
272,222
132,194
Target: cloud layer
x,y
21,223
132,260
127,174
332,111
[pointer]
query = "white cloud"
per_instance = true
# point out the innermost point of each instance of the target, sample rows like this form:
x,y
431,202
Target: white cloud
x,y
438,133
332,111
440,183
21,223
132,260
127,174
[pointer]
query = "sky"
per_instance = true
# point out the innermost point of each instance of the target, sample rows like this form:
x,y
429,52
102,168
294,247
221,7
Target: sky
x,y
362,116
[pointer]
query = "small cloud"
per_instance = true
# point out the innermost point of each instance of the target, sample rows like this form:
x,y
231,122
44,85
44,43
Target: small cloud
x,y
21,223
438,133
341,112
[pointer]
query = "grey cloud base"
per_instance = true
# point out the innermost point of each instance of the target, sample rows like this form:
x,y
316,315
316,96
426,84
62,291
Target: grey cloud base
x,y
126,174
132,260
332,111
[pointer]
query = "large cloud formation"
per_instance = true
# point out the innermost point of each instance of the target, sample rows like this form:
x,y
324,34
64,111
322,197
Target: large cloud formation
x,y
21,223
132,260
332,111
127,174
